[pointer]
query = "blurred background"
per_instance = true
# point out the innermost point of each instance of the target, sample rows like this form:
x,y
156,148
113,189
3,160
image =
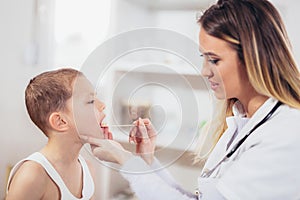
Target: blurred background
x,y
40,35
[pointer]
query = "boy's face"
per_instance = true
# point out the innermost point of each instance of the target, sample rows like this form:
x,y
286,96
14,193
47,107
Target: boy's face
x,y
86,109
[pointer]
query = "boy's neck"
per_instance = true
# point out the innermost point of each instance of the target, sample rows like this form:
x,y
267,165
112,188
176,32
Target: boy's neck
x,y
62,149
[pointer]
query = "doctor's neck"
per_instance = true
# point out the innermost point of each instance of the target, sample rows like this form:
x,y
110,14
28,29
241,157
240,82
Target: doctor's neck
x,y
252,104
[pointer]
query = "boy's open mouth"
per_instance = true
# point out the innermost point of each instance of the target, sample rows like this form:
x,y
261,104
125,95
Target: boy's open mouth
x,y
103,125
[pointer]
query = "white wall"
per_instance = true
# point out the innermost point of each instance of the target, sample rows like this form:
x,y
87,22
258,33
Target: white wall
x,y
127,16
183,22
18,136
291,15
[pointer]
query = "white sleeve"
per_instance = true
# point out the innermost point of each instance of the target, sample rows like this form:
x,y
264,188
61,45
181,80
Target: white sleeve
x,y
150,185
208,187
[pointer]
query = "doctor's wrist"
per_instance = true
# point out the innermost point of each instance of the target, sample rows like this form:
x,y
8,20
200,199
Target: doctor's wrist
x,y
148,158
124,157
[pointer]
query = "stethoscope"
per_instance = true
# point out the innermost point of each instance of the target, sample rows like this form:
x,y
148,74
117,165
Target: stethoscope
x,y
207,173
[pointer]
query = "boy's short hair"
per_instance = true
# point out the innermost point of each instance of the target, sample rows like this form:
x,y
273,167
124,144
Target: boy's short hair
x,y
47,93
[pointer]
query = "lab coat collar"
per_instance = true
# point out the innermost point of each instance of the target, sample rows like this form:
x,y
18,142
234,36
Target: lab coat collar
x,y
246,125
238,120
238,127
238,109
235,124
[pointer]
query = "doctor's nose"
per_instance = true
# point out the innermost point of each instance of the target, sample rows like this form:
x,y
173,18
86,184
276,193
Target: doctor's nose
x,y
206,70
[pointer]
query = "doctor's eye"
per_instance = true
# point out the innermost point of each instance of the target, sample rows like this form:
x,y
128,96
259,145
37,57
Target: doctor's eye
x,y
213,61
209,59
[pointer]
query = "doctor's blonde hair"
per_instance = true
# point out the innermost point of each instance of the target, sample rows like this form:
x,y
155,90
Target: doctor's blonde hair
x,y
254,29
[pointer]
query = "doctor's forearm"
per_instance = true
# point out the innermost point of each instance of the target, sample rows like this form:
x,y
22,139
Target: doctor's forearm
x,y
149,183
150,186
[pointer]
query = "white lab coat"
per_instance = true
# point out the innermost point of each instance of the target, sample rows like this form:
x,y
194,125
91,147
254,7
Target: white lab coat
x,y
266,166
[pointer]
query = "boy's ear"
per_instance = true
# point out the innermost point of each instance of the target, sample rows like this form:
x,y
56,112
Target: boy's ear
x,y
58,122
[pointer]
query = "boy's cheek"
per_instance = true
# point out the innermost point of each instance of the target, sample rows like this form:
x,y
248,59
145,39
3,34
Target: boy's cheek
x,y
97,132
91,129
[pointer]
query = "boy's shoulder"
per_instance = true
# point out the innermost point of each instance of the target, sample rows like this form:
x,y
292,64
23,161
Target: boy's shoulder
x,y
33,170
29,179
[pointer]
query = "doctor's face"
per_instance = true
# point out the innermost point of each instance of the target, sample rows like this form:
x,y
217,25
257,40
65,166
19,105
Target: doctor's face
x,y
221,66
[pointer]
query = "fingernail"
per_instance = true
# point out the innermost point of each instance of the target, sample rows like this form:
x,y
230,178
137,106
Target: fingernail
x,y
132,142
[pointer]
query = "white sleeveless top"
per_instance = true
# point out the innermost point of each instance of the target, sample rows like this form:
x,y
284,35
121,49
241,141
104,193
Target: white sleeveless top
x,y
88,183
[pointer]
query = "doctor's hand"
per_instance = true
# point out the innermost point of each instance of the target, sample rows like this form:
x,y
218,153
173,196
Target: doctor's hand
x,y
144,136
107,150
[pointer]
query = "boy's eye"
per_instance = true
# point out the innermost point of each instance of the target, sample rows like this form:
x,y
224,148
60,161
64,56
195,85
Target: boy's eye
x,y
91,102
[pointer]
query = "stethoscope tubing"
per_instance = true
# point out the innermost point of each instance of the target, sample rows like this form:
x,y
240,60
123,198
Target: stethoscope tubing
x,y
206,174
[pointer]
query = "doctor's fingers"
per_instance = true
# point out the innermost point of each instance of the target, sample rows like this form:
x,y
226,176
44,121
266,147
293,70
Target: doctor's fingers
x,y
150,128
102,153
132,135
107,134
150,132
142,133
91,140
135,135
97,151
110,136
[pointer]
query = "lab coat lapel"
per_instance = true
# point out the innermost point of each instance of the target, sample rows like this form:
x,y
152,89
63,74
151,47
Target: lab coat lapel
x,y
219,152
255,119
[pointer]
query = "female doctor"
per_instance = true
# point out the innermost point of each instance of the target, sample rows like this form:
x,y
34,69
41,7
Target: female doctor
x,y
250,66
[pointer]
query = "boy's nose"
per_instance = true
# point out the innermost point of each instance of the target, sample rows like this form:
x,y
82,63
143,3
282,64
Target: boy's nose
x,y
100,105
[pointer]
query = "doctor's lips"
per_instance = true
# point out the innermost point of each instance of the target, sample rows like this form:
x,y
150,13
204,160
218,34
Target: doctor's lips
x,y
214,85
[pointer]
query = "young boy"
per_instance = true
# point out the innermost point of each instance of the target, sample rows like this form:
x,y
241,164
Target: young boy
x,y
62,103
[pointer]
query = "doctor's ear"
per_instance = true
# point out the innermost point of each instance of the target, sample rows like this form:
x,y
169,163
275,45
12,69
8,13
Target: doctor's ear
x,y
58,122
